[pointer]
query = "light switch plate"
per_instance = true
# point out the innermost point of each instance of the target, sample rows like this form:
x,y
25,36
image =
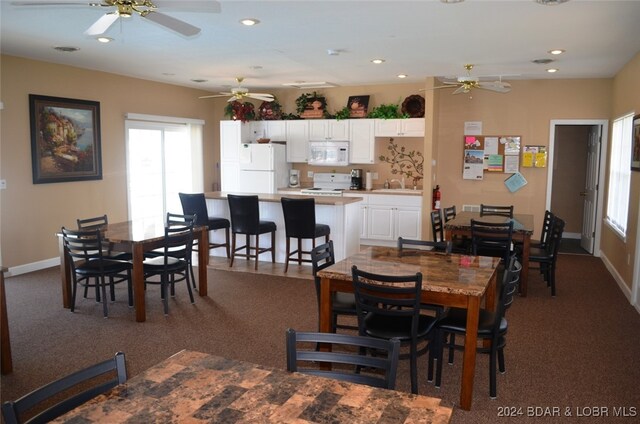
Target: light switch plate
x,y
3,184
309,174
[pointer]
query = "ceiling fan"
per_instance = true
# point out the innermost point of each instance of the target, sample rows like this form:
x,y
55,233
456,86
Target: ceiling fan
x,y
238,93
467,82
145,8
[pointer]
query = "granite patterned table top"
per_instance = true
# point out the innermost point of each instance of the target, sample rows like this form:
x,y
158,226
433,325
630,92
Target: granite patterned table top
x,y
522,223
196,387
455,274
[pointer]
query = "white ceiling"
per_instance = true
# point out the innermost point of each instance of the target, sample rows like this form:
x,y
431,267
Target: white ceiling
x,y
417,38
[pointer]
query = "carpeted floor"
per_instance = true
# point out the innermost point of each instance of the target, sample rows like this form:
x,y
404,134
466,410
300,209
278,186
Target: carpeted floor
x,y
572,247
576,352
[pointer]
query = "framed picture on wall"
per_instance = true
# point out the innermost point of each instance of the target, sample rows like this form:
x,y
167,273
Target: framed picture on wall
x,y
635,144
65,139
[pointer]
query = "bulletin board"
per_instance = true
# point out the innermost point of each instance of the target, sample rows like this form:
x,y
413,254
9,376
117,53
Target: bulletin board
x,y
491,153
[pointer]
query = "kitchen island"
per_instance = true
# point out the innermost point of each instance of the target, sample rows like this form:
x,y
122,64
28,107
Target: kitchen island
x,y
342,214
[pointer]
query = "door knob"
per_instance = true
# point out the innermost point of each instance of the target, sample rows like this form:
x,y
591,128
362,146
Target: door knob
x,y
583,193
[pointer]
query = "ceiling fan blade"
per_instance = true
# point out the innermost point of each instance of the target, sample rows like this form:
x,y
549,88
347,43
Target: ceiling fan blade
x,y
263,98
174,24
497,86
214,95
461,89
191,5
260,94
234,98
46,3
101,26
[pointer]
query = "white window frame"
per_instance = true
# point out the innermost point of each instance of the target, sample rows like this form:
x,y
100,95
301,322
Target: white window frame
x,y
620,175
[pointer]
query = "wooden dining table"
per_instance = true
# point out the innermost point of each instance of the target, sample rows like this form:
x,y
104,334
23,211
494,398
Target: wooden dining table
x,y
449,280
522,232
196,387
137,237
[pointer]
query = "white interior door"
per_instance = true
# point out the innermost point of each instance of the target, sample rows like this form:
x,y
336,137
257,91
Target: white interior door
x,y
590,192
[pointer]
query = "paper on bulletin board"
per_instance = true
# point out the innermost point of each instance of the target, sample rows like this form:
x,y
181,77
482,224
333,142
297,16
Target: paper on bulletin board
x,y
473,128
541,159
511,164
473,165
515,182
491,145
528,156
494,163
511,145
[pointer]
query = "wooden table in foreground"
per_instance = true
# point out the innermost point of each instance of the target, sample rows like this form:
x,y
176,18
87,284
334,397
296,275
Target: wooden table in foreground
x,y
522,231
196,387
450,280
137,237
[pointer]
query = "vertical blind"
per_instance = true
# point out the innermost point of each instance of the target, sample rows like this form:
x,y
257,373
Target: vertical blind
x,y
620,174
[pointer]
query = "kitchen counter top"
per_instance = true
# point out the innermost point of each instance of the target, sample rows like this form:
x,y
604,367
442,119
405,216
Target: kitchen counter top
x,y
320,200
405,192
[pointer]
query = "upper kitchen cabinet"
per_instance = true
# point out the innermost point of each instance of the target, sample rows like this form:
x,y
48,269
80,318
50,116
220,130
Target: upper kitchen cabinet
x,y
275,130
362,141
297,136
328,129
231,137
412,127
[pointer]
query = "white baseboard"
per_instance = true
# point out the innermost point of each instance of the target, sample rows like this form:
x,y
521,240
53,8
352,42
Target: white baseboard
x,y
626,290
34,266
571,235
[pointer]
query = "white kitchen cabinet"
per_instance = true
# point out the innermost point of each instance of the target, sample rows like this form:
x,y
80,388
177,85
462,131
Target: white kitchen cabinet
x,y
328,129
385,220
230,140
297,136
362,141
275,130
412,127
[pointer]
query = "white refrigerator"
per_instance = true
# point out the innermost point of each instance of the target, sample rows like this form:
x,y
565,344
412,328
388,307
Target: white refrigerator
x,y
263,168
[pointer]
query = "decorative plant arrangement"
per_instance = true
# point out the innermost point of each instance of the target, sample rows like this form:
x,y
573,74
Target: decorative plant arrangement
x,y
344,113
386,111
403,163
240,111
269,111
311,105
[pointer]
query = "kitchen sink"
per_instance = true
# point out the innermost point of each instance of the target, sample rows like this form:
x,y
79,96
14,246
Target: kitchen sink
x,y
397,191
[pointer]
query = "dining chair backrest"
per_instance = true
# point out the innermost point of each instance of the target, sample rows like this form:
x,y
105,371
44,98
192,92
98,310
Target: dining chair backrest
x,y
387,296
245,213
492,239
449,213
83,245
86,384
425,245
368,360
322,256
547,223
552,245
508,288
178,241
299,217
437,227
195,204
491,210
93,223
174,219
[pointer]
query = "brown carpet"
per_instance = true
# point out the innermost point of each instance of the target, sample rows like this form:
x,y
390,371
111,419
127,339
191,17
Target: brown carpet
x,y
578,351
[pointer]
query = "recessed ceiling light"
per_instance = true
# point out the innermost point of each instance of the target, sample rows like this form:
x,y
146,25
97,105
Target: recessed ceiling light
x,y
66,49
556,51
552,70
105,39
377,61
249,21
544,61
199,80
402,76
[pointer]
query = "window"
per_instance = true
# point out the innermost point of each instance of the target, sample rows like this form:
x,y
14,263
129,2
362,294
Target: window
x,y
620,174
164,157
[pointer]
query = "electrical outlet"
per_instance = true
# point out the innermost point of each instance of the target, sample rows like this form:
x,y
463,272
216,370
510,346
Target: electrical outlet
x,y
309,174
374,176
3,184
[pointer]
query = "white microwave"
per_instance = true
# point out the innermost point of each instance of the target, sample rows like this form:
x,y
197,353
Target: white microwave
x,y
328,153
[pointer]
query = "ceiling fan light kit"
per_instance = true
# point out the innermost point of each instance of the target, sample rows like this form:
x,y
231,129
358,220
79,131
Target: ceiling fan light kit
x,y
465,83
239,93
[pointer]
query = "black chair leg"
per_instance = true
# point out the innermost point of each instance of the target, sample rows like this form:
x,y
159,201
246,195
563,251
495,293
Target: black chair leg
x,y
273,247
501,361
226,235
164,294
190,291
233,249
492,373
414,368
257,250
104,297
288,250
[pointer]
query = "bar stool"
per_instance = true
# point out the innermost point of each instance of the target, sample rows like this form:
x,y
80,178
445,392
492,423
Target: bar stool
x,y
300,223
245,219
195,204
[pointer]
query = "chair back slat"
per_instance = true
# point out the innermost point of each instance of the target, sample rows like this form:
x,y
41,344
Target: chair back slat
x,y
93,223
546,227
449,213
406,246
437,227
495,210
492,239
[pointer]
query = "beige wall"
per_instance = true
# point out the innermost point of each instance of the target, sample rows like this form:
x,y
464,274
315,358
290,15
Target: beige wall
x,y
626,98
526,111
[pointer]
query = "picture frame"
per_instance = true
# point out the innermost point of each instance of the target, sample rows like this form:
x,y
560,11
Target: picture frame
x,y
635,144
358,106
65,139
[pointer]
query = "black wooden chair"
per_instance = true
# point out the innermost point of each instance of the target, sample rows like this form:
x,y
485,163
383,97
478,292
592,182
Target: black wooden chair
x,y
102,222
300,223
492,239
437,228
85,384
174,261
492,210
245,219
547,256
357,359
389,307
91,265
342,303
449,213
491,326
196,204
410,246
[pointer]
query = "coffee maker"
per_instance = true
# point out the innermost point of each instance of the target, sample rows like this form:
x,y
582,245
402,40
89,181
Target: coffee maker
x,y
294,178
356,179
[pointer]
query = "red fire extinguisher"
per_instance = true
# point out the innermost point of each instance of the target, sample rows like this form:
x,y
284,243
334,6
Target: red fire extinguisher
x,y
436,198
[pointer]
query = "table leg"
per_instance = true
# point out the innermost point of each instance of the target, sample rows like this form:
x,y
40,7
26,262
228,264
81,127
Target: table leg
x,y
138,282
469,360
524,275
65,272
203,261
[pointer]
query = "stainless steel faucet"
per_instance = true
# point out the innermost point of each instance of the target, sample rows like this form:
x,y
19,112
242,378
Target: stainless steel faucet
x,y
401,182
